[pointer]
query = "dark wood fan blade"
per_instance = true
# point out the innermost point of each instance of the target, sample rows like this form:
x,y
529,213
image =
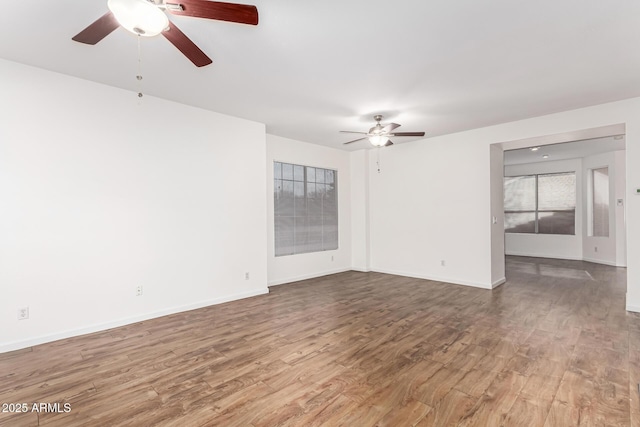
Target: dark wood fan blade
x,y
231,12
350,131
186,46
100,29
407,134
388,143
355,140
390,127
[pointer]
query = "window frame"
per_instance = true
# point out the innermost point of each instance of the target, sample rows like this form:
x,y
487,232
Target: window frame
x,y
314,209
537,209
593,229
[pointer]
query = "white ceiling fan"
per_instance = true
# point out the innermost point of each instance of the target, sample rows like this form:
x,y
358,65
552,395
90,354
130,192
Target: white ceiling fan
x,y
379,135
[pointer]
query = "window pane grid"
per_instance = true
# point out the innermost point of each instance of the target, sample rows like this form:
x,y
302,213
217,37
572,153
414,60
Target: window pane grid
x,y
305,209
540,204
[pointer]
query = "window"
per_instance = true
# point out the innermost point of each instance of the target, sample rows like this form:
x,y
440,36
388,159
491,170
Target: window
x,y
541,204
305,209
600,202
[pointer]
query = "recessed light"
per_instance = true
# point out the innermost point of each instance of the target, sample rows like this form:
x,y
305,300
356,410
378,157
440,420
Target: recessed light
x,y
546,156
534,148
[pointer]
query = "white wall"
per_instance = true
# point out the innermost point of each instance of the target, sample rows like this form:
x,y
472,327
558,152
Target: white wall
x,y
100,194
432,200
360,256
497,215
430,203
549,245
608,248
284,269
621,221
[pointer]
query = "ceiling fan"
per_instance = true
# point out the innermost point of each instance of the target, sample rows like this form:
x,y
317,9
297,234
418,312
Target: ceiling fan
x,y
148,18
379,134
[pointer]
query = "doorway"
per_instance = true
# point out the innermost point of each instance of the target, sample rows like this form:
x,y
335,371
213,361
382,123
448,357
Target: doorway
x,y
543,217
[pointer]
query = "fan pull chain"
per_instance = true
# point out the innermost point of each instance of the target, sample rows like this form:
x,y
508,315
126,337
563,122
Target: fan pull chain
x,y
378,160
139,76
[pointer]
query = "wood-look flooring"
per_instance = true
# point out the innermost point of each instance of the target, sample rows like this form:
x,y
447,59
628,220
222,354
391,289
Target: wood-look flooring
x,y
553,346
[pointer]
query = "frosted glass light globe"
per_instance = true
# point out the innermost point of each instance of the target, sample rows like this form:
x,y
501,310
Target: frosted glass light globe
x,y
139,16
378,140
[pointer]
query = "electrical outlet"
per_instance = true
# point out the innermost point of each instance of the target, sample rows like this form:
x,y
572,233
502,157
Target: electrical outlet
x,y
246,276
139,290
442,263
23,313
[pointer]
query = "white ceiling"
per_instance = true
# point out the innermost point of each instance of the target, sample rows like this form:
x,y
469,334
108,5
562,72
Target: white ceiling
x,y
566,150
312,68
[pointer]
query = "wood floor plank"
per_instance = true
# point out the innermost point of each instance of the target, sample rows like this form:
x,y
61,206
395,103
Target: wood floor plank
x,y
409,413
431,391
634,384
552,346
527,412
494,405
326,413
448,411
476,382
28,419
574,402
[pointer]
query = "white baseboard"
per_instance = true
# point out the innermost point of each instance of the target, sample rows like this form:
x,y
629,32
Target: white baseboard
x,y
394,272
17,345
361,270
544,255
498,282
435,278
633,308
306,276
599,261
571,258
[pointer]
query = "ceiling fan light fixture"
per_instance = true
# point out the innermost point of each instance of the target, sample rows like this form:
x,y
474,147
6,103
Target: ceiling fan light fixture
x,y
379,135
139,16
378,140
174,6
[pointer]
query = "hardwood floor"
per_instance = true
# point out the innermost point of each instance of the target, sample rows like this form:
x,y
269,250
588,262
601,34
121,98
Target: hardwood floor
x,y
553,346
